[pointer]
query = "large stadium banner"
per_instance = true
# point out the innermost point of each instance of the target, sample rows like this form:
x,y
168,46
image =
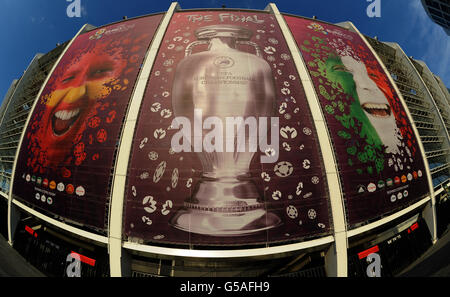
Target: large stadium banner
x,y
66,158
380,165
225,151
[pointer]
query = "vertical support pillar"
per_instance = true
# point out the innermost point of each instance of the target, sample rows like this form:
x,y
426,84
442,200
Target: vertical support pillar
x,y
336,257
13,220
126,141
429,215
12,216
430,210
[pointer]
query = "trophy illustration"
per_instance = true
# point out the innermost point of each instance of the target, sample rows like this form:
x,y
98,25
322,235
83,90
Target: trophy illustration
x,y
224,82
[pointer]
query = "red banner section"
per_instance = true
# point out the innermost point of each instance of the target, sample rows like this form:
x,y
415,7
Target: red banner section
x,y
380,165
66,158
225,151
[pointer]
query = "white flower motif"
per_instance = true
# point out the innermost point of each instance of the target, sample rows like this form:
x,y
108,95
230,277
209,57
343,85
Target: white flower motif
x,y
307,131
276,195
166,206
288,132
307,195
285,57
285,91
286,147
146,220
270,152
143,142
282,108
155,107
265,176
144,175
292,211
270,50
312,214
159,133
149,204
175,176
298,191
153,156
159,172
283,169
306,164
168,62
166,113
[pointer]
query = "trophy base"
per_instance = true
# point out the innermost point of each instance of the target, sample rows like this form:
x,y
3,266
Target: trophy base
x,y
224,224
224,207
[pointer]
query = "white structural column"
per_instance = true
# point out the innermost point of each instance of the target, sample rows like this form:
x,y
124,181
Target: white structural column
x,y
429,213
13,214
124,150
336,257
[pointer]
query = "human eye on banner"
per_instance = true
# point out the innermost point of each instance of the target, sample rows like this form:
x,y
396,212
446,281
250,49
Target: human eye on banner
x,y
380,164
65,160
225,151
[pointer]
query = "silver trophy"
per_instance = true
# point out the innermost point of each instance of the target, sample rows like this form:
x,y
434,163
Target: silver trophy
x,y
224,82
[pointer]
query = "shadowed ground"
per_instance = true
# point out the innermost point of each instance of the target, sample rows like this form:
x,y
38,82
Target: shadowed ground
x,y
13,264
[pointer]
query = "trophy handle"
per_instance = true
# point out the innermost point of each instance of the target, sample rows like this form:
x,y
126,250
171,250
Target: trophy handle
x,y
188,50
257,49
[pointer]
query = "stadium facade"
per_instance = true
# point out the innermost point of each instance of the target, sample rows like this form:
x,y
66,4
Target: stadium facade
x,y
99,161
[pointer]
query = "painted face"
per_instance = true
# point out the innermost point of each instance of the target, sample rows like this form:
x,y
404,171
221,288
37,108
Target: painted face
x,y
75,95
374,103
371,107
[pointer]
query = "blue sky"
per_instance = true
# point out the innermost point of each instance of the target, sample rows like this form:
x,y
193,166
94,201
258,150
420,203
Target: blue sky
x,y
33,26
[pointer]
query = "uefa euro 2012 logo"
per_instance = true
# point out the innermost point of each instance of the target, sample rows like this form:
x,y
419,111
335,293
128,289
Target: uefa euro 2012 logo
x,y
97,34
317,27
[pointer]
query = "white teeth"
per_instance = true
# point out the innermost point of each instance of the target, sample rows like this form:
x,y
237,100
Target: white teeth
x,y
376,106
67,114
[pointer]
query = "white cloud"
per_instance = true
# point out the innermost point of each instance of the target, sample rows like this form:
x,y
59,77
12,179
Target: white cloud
x,y
84,12
37,20
435,42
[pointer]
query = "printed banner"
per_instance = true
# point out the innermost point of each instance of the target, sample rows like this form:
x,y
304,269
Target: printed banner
x,y
380,165
66,158
225,151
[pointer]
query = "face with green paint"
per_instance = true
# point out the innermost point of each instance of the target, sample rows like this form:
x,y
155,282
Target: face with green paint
x,y
370,107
